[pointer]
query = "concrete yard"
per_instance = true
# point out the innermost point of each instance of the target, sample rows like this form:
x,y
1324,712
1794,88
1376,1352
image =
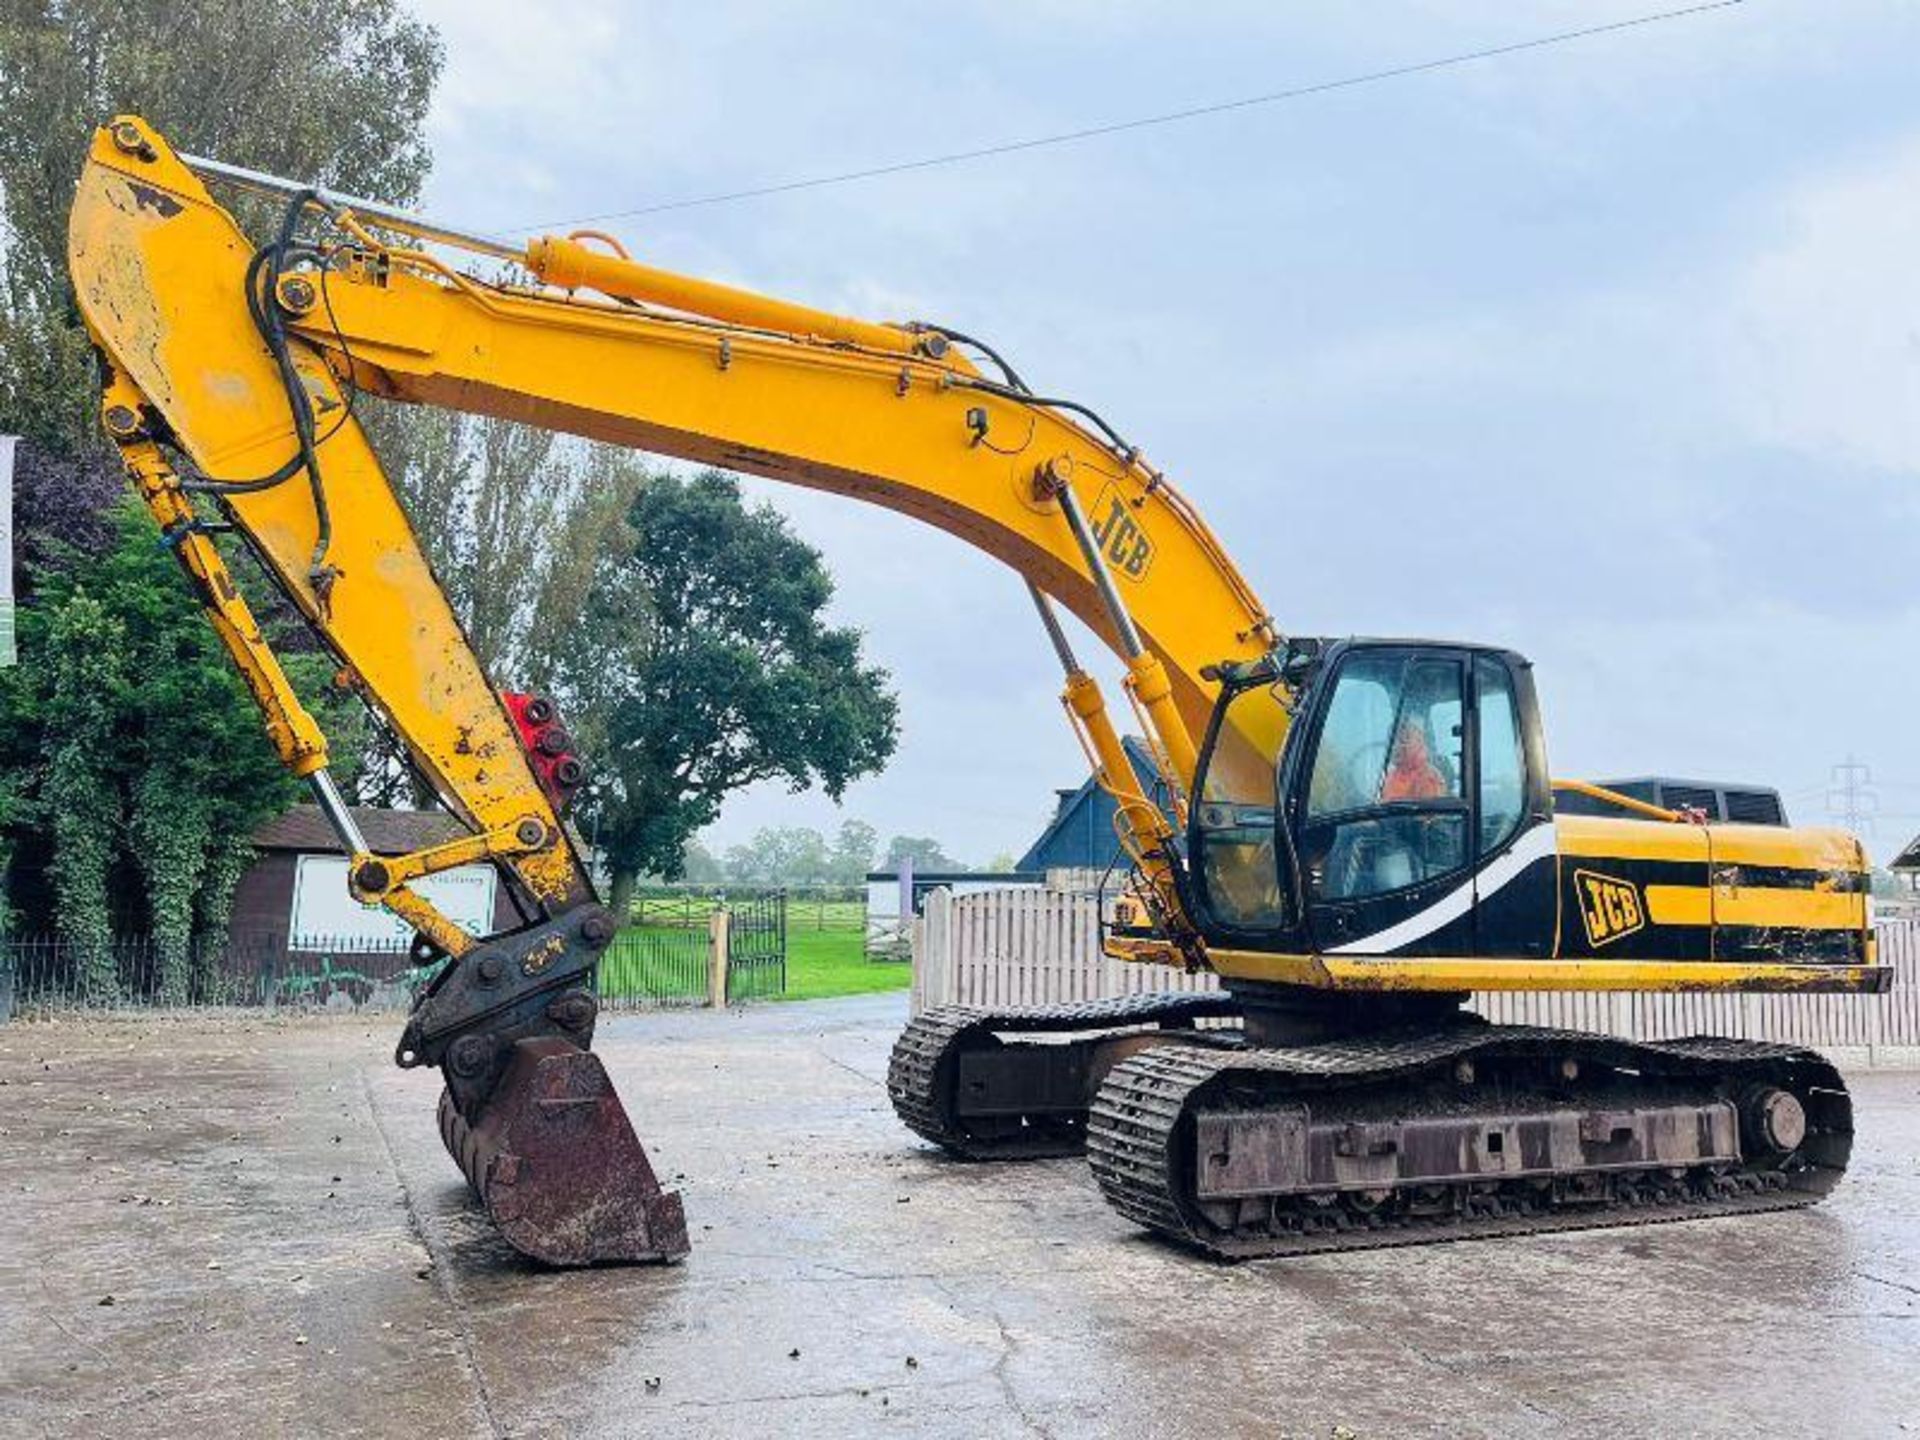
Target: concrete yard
x,y
243,1227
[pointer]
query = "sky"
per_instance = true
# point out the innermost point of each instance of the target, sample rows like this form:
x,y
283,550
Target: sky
x,y
1608,352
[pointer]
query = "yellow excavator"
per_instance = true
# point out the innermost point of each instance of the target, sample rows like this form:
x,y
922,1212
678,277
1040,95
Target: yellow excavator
x,y
1360,832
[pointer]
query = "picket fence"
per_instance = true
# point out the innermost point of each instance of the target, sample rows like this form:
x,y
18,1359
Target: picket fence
x,y
1040,947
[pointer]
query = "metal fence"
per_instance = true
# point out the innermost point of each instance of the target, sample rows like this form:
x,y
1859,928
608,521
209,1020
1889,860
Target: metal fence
x,y
757,947
667,960
1040,947
41,974
655,965
665,956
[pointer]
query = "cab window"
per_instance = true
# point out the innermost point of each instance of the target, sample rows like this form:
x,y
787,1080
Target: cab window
x,y
1392,733
1503,765
1234,830
1386,804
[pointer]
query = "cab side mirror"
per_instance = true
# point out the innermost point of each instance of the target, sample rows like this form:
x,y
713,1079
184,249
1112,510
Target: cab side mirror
x,y
1302,656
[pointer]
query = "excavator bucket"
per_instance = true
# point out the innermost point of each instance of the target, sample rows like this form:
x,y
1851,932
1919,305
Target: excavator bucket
x,y
557,1165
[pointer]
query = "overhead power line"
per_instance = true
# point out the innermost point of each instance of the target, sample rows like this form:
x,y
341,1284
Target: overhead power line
x,y
1143,122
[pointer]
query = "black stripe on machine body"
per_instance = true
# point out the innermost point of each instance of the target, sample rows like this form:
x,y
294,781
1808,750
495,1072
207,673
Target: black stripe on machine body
x,y
1650,942
1786,877
1784,944
1453,938
1637,872
1370,920
1518,918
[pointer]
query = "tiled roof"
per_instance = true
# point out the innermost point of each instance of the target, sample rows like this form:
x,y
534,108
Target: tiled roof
x,y
388,832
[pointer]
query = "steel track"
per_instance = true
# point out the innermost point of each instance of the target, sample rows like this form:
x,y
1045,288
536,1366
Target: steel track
x,y
920,1075
1141,1153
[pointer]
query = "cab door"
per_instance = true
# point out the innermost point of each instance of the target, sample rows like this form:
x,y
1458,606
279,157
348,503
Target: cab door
x,y
1516,849
1381,812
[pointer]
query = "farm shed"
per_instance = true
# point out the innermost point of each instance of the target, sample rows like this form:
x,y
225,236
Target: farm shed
x,y
1081,835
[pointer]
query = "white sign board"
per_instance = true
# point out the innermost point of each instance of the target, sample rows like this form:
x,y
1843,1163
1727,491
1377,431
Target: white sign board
x,y
327,917
9,654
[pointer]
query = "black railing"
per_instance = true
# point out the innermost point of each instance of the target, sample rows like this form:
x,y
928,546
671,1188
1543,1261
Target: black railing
x,y
648,964
665,955
44,973
757,947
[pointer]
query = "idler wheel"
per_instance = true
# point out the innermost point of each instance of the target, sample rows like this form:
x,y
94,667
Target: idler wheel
x,y
1774,1120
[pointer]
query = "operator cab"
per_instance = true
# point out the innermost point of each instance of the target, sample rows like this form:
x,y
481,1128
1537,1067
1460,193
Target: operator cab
x,y
1410,771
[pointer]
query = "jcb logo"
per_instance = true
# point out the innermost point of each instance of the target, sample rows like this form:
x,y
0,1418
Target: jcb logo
x,y
1611,908
1122,541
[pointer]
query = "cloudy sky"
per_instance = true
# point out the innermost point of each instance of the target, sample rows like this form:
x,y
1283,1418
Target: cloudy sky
x,y
1608,351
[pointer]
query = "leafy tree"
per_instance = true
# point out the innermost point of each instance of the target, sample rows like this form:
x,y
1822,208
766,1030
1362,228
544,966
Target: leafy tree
x,y
519,517
62,508
783,855
853,851
515,521
144,745
230,857
701,663
11,812
309,88
924,852
700,866
787,855
1000,864
592,530
85,674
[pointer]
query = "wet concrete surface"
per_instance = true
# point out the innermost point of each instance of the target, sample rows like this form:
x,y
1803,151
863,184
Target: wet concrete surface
x,y
287,1250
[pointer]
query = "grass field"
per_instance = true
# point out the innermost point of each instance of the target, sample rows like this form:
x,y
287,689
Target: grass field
x,y
823,963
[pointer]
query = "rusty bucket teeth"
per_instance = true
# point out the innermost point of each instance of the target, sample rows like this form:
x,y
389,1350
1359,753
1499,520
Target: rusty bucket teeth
x,y
557,1165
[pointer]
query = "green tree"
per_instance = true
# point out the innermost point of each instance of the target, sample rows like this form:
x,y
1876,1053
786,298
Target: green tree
x,y
853,851
700,866
20,694
148,745
309,88
924,852
701,662
85,674
516,521
780,855
11,813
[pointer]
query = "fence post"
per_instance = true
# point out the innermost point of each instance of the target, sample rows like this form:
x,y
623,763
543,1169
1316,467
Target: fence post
x,y
719,933
917,965
932,938
1876,1028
